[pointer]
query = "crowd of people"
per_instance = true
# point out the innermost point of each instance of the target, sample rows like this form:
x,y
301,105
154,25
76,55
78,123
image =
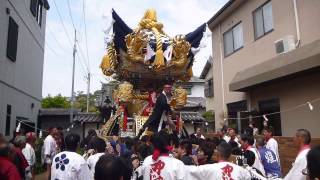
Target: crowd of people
x,y
159,156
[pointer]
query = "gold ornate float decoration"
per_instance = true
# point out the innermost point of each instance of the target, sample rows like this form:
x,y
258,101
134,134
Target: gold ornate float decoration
x,y
146,57
148,51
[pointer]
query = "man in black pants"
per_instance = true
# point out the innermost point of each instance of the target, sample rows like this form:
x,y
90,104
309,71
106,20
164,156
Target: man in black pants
x,y
160,112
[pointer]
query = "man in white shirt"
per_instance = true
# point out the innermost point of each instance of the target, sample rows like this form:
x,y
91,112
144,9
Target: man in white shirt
x,y
99,146
271,143
160,165
232,136
29,153
49,150
198,134
68,165
302,139
221,170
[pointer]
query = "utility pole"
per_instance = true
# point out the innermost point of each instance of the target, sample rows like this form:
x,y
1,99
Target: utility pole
x,y
88,91
73,68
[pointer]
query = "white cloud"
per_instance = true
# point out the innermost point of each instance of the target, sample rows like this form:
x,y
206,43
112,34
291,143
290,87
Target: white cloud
x,y
178,17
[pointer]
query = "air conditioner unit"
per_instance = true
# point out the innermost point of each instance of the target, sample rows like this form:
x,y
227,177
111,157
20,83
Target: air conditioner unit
x,y
285,44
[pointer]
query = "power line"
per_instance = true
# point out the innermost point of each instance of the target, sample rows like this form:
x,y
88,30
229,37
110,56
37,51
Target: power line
x,y
46,43
61,21
308,103
83,69
82,55
82,66
51,49
70,13
57,41
85,30
81,51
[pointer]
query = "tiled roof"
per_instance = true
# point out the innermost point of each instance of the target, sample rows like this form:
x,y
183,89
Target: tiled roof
x,y
196,102
195,79
57,112
191,116
88,118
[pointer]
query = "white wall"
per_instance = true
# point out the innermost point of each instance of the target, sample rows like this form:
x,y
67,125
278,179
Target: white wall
x,y
197,90
21,81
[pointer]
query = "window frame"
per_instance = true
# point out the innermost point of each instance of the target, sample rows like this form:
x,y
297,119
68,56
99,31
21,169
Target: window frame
x,y
209,89
12,57
39,13
223,35
8,120
34,7
253,20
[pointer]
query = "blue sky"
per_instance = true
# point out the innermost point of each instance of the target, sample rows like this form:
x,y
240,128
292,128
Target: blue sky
x,y
178,17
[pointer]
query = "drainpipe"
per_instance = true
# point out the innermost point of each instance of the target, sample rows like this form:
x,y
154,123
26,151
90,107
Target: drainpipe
x,y
297,22
222,73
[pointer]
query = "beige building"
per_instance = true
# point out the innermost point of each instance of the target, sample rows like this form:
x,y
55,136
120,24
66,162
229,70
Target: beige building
x,y
207,75
266,59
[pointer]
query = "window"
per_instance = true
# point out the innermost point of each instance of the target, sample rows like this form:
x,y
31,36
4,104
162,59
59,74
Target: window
x,y
12,40
36,10
270,106
208,89
262,20
8,120
233,39
188,90
39,12
33,7
237,110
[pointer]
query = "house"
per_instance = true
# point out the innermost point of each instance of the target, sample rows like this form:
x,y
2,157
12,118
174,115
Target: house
x,y
58,117
191,113
207,75
266,64
22,40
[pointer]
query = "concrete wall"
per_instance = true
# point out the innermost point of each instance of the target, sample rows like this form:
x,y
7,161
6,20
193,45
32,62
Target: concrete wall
x,y
292,93
256,51
21,81
209,100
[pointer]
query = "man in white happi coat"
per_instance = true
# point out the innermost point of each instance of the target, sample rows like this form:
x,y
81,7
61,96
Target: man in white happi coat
x,y
159,165
302,138
29,154
99,146
223,170
49,150
271,143
68,165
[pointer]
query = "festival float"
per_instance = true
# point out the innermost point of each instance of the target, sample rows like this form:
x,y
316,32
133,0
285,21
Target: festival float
x,y
142,60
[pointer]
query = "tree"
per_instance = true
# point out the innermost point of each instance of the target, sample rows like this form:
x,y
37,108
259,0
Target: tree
x,y
81,102
208,115
55,102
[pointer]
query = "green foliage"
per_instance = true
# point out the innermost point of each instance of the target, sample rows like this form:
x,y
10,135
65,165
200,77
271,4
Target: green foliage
x,y
208,115
81,102
55,102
